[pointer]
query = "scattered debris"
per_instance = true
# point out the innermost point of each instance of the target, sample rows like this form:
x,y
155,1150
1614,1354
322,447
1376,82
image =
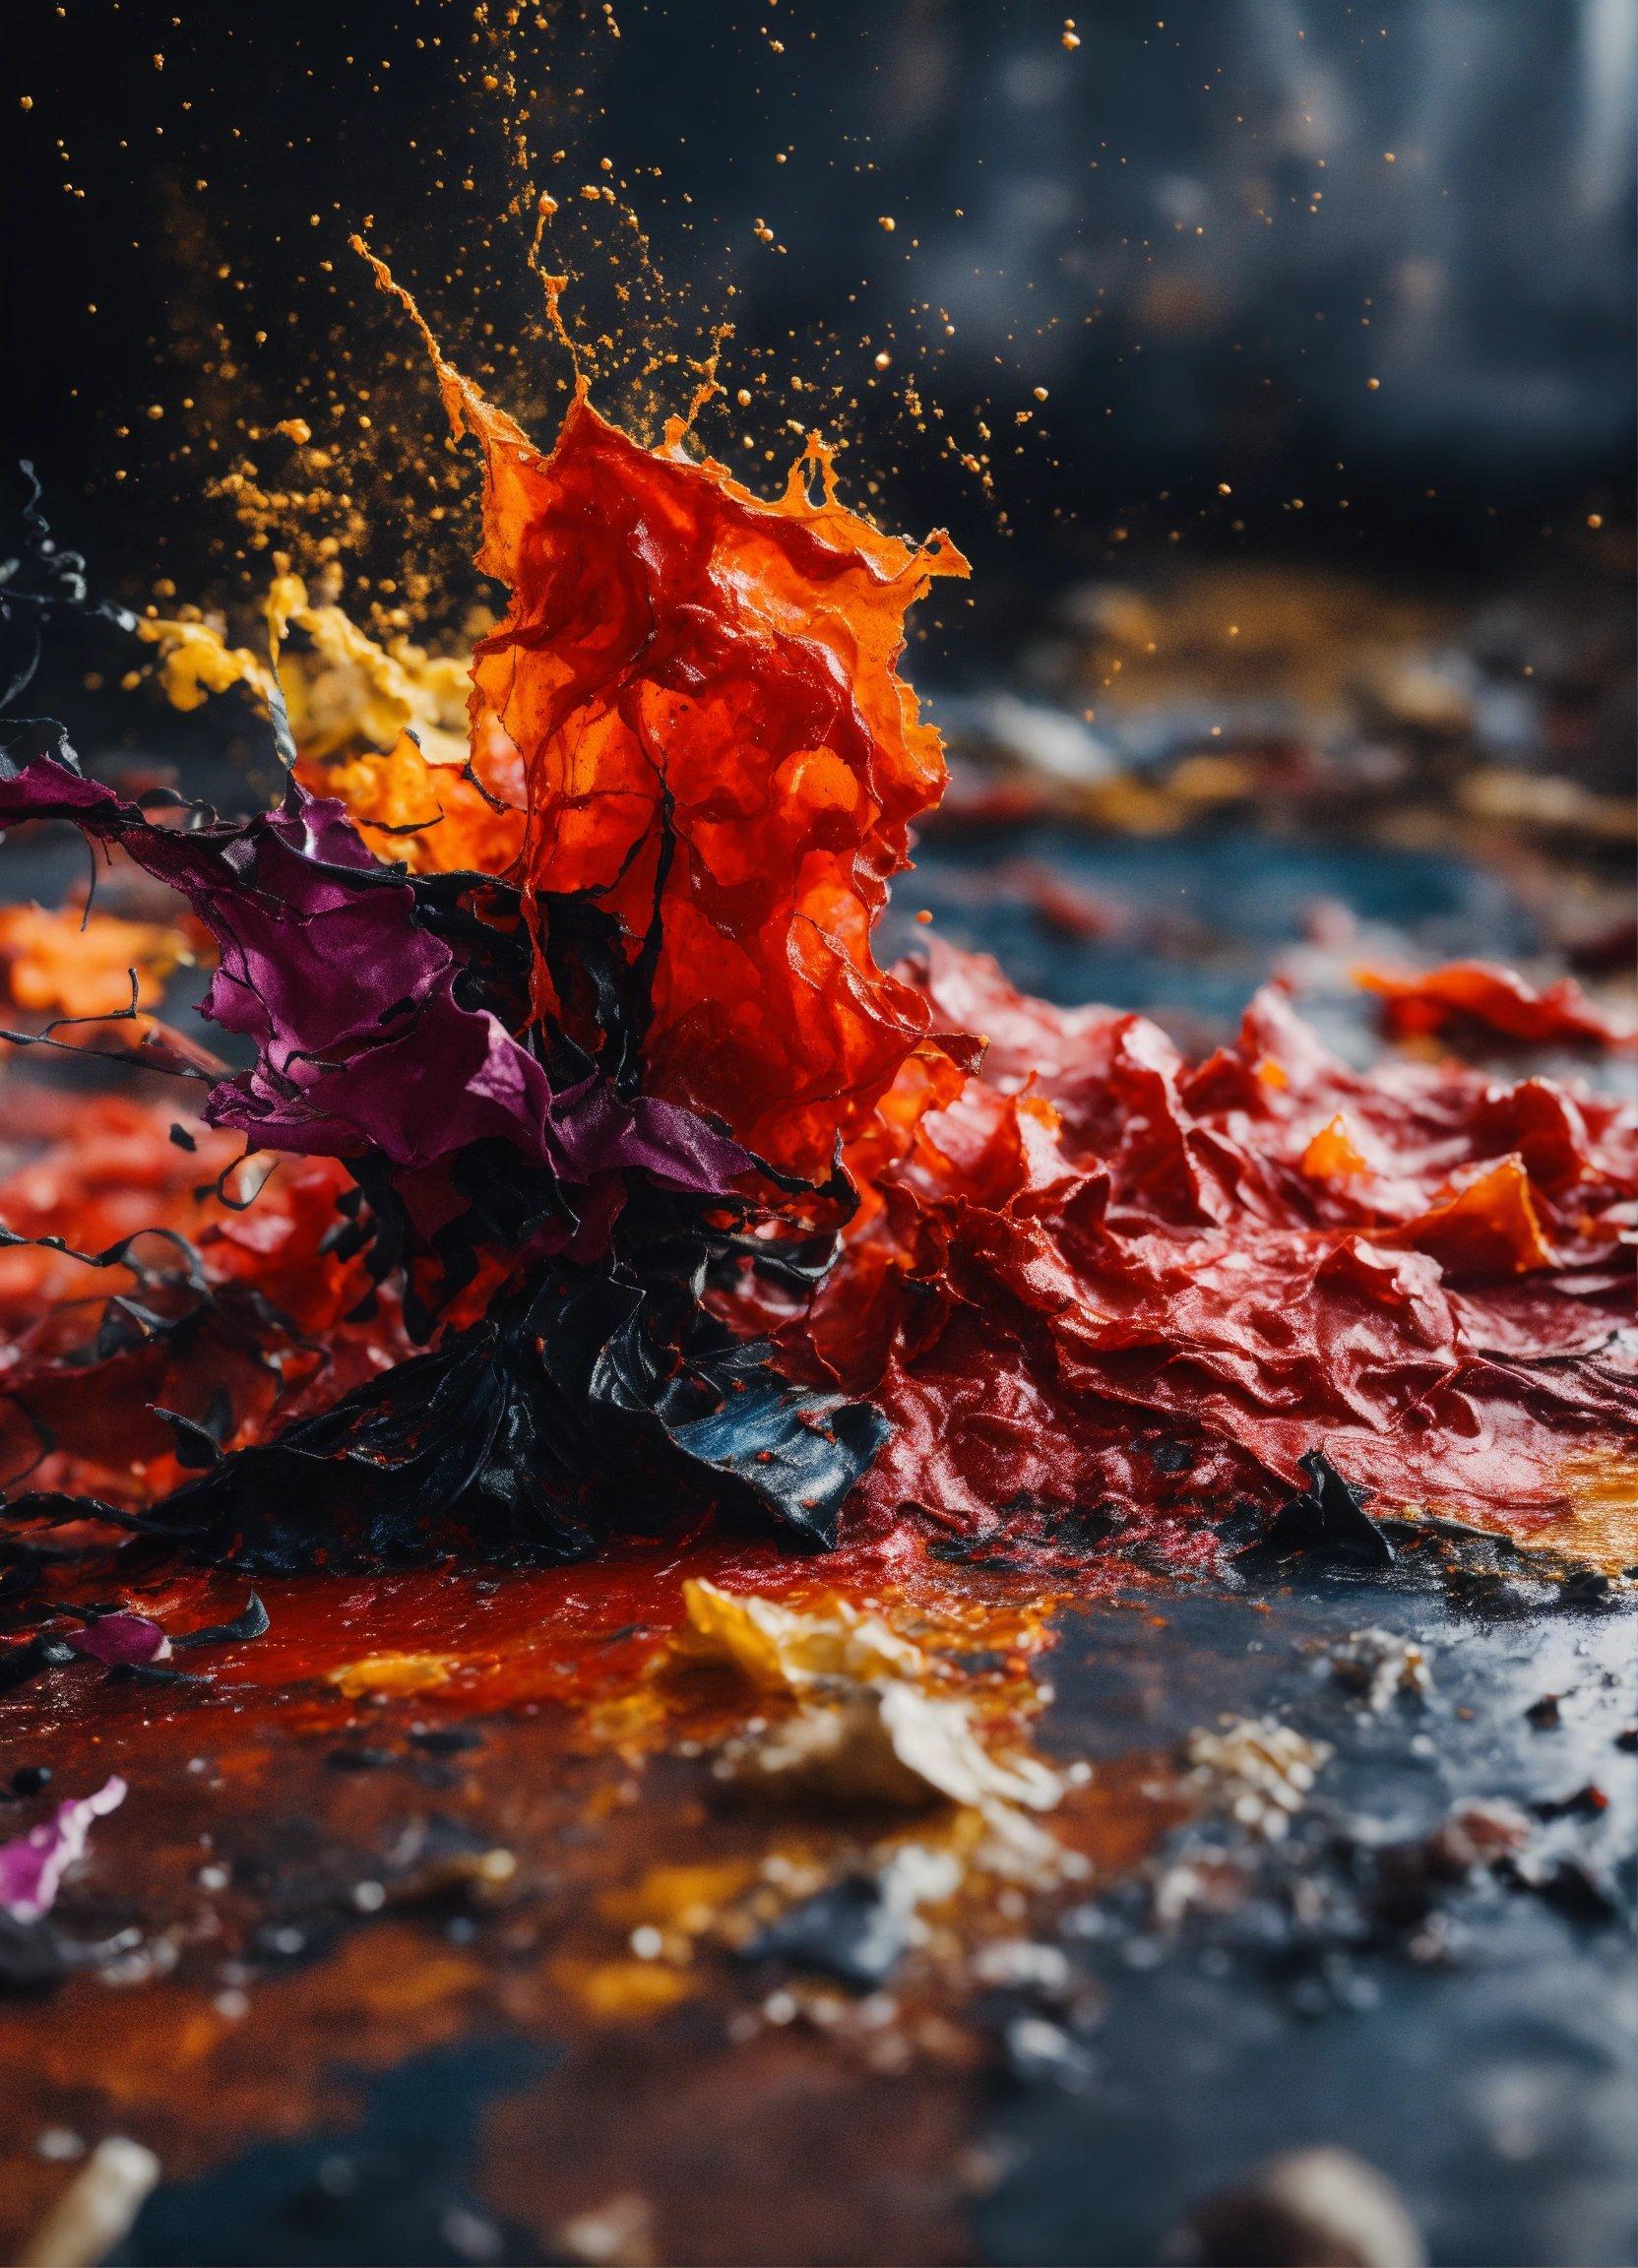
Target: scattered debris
x,y
1583,1892
786,1651
1378,1666
391,1673
1042,2053
1585,1802
1321,2208
618,2233
859,1929
1476,1832
1410,1876
886,1744
1021,1965
866,1732
122,1640
1256,1770
446,1740
253,1621
96,2210
33,1866
1202,1879
1586,1590
437,1860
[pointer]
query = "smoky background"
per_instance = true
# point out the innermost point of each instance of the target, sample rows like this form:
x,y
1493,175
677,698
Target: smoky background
x,y
1271,360
1205,233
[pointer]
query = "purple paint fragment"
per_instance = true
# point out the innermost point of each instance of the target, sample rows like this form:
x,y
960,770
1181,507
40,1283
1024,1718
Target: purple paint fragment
x,y
120,1639
322,964
361,1042
597,1131
33,1866
363,991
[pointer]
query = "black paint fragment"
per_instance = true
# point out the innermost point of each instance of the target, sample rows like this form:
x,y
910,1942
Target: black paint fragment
x,y
1327,1522
253,1622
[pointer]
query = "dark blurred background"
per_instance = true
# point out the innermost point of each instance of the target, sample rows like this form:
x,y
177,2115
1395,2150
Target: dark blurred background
x,y
1205,233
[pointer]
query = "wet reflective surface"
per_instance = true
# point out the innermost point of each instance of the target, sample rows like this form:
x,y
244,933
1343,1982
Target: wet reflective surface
x,y
495,1968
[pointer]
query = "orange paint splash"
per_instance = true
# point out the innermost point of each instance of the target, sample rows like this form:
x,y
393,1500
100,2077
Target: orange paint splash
x,y
700,690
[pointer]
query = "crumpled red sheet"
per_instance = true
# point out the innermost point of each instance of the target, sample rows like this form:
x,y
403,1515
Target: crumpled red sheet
x,y
1494,1001
1128,1290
